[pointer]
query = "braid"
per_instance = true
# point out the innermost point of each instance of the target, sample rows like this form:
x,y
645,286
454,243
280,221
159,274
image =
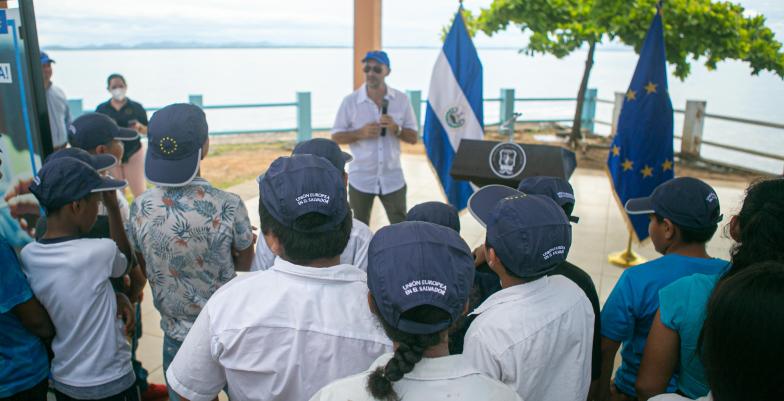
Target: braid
x,y
410,350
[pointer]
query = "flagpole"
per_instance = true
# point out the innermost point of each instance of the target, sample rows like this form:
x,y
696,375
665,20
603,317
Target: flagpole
x,y
626,258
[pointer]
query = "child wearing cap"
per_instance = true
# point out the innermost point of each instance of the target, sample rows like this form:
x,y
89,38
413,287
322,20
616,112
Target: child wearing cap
x,y
356,249
416,307
70,275
684,214
285,332
536,333
190,237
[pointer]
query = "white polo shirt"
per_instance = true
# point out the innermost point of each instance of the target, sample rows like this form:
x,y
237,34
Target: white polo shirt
x,y
279,334
536,337
355,253
376,165
678,397
70,277
449,377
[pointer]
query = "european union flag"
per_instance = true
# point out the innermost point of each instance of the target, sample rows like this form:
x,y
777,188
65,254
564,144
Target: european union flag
x,y
641,156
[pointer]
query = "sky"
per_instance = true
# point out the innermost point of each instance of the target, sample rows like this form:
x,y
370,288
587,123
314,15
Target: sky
x,y
288,22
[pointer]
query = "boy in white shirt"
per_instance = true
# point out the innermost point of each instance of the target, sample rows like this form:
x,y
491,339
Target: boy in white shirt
x,y
70,276
536,334
285,332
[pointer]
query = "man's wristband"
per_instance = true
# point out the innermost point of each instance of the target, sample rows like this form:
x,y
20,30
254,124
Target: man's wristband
x,y
399,130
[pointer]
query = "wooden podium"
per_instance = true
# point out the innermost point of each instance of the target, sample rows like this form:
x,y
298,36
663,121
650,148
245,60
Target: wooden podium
x,y
472,163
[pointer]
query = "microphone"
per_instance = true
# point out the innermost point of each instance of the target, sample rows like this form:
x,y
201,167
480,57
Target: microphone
x,y
384,108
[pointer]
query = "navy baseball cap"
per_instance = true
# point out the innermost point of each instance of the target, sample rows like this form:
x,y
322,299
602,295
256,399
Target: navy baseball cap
x,y
437,213
301,184
91,130
100,162
65,180
416,263
325,148
45,58
686,201
530,233
555,188
176,134
378,55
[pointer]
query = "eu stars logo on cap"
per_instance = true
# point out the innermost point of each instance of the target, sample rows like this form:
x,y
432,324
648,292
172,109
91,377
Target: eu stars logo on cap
x,y
66,179
686,201
295,186
176,134
415,263
91,130
530,233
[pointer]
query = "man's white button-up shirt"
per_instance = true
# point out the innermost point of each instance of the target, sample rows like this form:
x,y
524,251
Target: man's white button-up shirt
x,y
376,166
279,334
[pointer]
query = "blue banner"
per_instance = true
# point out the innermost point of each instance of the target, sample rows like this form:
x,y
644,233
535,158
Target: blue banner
x,y
454,108
3,22
641,155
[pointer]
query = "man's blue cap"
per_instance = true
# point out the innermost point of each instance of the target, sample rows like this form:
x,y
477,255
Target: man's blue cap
x,y
65,180
416,263
378,55
436,213
555,188
100,162
530,233
45,58
325,148
686,201
295,186
91,130
176,134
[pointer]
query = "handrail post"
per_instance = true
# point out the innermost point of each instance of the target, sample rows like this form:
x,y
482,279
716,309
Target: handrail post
x,y
415,97
198,100
304,127
589,109
75,108
693,123
616,114
507,105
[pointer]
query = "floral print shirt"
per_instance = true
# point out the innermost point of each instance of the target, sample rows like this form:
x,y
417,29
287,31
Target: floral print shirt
x,y
186,235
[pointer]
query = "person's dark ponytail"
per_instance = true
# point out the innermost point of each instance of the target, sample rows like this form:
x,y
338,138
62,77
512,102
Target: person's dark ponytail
x,y
409,352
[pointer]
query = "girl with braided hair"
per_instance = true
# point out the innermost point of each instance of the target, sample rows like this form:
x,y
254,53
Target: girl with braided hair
x,y
758,232
419,275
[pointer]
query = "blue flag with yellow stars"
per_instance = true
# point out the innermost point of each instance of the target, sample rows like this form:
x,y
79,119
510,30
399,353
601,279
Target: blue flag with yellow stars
x,y
641,155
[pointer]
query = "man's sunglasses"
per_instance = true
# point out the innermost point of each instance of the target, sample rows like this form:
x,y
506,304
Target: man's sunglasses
x,y
376,68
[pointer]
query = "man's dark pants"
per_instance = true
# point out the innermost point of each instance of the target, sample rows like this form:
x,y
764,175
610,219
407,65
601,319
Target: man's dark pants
x,y
362,202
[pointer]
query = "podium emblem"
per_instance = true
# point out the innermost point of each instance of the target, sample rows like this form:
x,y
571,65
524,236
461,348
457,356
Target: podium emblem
x,y
454,117
507,160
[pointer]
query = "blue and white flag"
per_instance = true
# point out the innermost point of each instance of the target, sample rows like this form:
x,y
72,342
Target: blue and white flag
x,y
454,108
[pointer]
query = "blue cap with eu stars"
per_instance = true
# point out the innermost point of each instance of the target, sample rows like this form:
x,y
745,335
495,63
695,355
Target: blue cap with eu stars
x,y
686,201
100,162
91,130
435,212
65,180
378,55
529,233
325,148
555,188
295,186
416,263
176,134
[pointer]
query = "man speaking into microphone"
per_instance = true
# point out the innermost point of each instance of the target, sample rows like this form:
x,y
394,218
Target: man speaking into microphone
x,y
373,120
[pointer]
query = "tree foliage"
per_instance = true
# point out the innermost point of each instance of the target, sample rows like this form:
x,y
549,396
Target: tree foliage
x,y
694,29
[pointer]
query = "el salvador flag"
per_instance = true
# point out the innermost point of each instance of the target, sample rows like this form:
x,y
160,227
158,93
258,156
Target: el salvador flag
x,y
454,108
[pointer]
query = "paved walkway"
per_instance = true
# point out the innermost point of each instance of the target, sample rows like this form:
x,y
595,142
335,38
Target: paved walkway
x,y
601,230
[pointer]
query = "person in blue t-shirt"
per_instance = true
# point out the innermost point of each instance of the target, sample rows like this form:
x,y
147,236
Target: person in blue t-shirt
x,y
684,214
24,364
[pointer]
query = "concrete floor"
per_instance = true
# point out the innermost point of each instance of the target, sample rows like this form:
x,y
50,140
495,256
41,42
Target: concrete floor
x,y
601,230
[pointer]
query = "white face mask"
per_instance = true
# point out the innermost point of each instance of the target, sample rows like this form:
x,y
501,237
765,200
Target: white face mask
x,y
118,94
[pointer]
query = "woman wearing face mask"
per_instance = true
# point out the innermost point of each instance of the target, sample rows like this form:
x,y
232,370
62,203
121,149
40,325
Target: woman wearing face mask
x,y
127,113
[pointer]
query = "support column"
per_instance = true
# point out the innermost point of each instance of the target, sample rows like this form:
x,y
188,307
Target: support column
x,y
367,33
693,123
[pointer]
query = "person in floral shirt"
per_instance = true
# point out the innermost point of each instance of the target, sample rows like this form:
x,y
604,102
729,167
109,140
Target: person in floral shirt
x,y
189,236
